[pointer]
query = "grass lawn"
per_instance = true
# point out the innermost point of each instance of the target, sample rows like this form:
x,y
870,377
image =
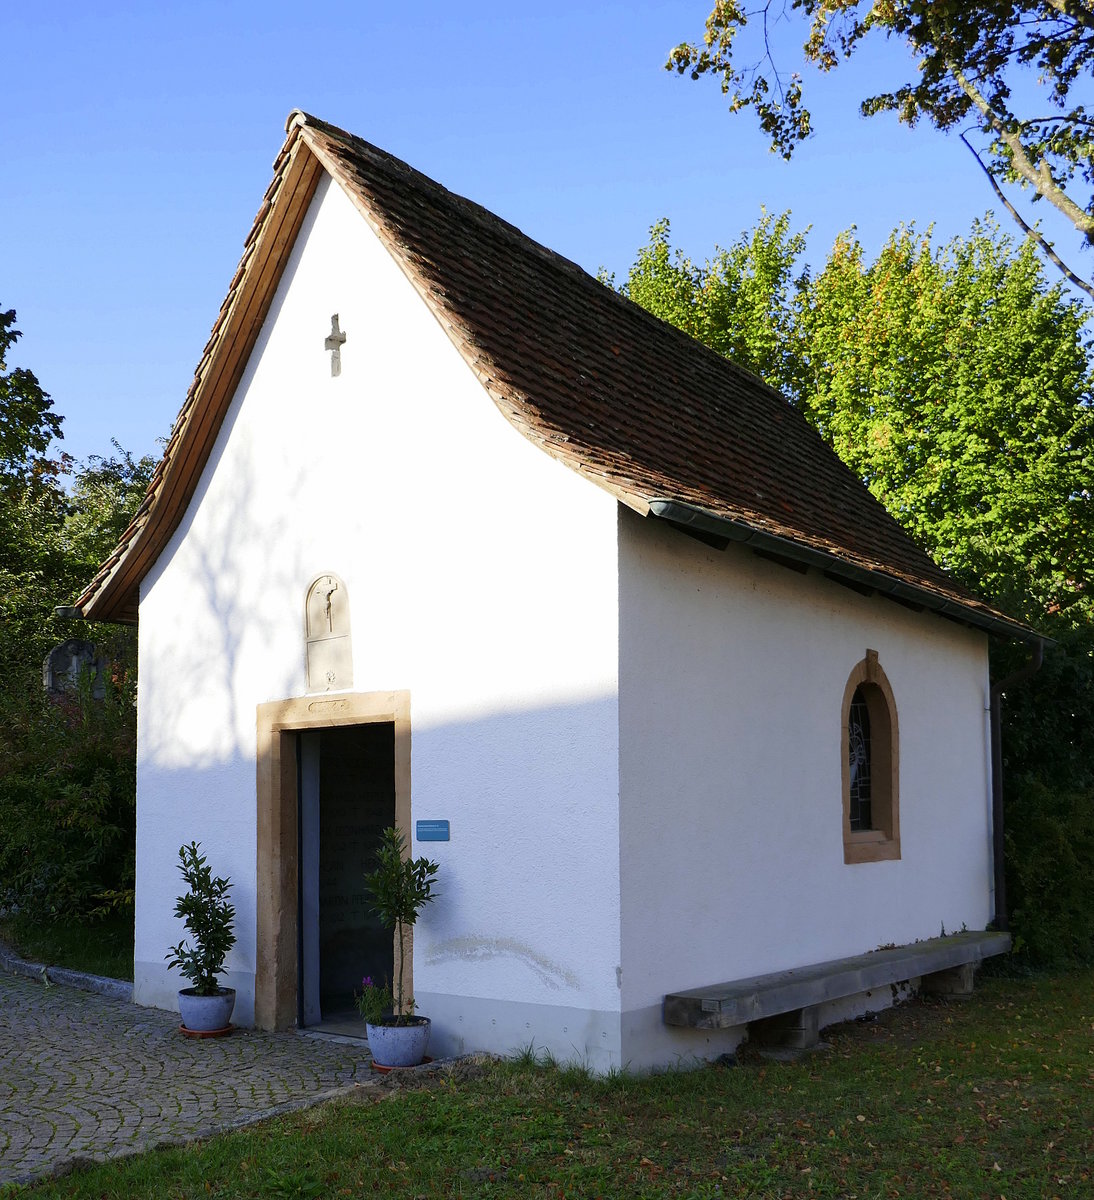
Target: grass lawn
x,y
993,1097
103,947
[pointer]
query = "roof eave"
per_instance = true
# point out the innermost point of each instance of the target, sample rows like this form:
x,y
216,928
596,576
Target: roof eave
x,y
691,517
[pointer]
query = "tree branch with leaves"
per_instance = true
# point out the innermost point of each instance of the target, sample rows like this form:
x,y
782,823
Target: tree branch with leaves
x,y
978,63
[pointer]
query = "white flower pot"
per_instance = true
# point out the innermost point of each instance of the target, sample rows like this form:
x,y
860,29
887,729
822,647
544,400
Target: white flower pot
x,y
399,1045
206,1014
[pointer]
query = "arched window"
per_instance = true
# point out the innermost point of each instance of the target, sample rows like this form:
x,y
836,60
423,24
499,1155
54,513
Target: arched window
x,y
859,758
871,766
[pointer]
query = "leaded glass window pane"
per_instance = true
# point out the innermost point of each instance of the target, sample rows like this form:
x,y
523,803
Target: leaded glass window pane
x,y
858,731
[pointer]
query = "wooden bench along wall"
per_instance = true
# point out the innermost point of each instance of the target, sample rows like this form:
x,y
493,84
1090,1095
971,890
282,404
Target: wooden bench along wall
x,y
944,964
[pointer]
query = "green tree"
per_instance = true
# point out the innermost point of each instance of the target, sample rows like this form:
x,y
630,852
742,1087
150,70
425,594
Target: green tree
x,y
104,495
1009,69
52,536
66,763
957,384
400,887
27,422
32,505
739,303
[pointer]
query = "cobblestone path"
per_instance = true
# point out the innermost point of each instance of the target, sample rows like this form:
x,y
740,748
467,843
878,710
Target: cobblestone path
x,y
83,1075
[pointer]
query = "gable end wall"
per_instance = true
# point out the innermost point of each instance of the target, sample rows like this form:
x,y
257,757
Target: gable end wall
x,y
482,579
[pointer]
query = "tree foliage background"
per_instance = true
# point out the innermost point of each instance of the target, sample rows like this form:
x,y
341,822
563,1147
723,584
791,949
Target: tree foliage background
x,y
958,384
954,380
1010,76
67,791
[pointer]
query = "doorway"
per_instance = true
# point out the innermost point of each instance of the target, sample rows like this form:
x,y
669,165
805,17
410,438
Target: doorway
x,y
353,741
346,785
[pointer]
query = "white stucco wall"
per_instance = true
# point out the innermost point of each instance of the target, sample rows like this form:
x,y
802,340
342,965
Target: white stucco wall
x,y
481,577
732,677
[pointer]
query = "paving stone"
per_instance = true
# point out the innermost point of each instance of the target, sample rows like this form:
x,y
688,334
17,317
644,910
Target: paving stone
x,y
94,1076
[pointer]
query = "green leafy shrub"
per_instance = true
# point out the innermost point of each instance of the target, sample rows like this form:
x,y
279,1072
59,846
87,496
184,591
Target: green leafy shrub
x,y
209,916
67,777
400,888
68,801
1050,855
1048,782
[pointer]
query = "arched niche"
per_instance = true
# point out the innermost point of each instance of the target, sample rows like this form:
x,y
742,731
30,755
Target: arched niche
x,y
327,625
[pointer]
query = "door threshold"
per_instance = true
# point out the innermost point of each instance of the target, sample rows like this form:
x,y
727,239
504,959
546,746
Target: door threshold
x,y
338,1025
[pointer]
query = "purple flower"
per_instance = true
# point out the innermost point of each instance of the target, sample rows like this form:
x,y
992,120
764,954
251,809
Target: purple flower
x,y
367,981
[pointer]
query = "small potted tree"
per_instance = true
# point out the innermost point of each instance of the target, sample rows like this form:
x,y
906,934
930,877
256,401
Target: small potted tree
x,y
205,1006
400,887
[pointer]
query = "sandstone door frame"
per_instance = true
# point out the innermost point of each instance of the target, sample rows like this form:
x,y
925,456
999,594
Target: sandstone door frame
x,y
278,866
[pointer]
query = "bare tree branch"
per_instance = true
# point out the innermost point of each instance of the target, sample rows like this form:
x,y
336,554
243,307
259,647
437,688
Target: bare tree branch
x,y
1038,237
970,55
1055,119
1037,174
1074,10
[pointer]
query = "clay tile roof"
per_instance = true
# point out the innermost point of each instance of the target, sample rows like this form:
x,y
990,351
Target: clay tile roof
x,y
636,406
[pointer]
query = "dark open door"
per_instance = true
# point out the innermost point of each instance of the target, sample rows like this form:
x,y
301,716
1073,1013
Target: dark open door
x,y
347,796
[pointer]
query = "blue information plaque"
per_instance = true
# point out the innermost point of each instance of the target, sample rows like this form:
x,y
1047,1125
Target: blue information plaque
x,y
431,831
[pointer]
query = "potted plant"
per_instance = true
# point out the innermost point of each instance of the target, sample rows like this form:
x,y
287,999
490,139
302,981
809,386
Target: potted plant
x,y
205,1007
374,1002
400,887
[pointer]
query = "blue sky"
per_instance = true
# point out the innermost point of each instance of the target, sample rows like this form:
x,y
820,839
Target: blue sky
x,y
138,140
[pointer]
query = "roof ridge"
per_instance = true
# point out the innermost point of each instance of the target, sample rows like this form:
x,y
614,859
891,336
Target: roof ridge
x,y
388,161
298,117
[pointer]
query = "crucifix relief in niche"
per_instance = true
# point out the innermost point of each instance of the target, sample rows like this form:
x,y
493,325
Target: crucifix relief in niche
x,y
329,655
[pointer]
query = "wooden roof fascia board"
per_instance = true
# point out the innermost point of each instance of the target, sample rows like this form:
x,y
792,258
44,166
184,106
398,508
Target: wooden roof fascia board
x,y
234,350
241,332
216,380
219,375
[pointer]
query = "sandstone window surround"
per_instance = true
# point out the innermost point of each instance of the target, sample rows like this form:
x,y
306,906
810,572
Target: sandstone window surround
x,y
870,749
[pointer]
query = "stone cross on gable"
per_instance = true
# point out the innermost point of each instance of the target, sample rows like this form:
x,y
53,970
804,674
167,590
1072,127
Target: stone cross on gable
x,y
333,343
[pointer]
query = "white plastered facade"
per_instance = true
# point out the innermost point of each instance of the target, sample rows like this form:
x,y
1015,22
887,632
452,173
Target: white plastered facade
x,y
732,676
481,577
635,739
